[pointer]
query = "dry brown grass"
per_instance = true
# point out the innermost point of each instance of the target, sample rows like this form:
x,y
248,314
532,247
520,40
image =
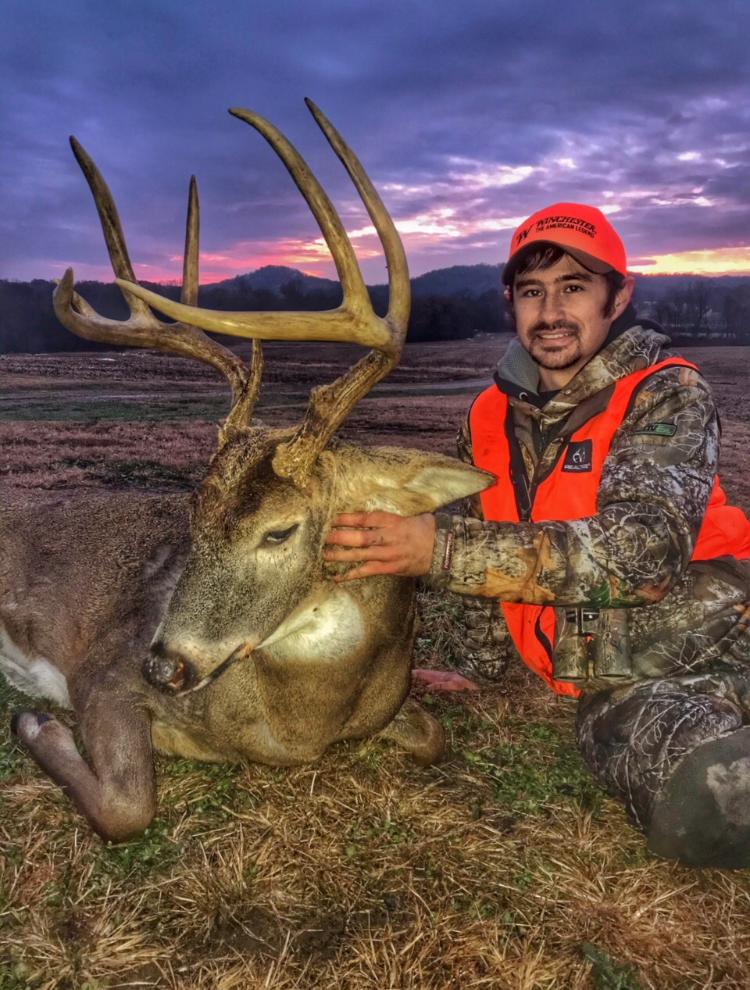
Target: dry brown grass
x,y
502,868
366,871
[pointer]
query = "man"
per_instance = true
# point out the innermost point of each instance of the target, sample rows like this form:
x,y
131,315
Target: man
x,y
622,577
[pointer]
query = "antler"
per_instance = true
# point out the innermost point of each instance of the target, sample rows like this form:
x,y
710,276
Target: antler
x,y
142,328
354,320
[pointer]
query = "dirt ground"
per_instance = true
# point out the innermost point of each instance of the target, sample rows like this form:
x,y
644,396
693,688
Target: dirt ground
x,y
73,422
503,868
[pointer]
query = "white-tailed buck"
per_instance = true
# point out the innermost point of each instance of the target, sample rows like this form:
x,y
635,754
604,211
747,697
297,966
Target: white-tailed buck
x,y
209,628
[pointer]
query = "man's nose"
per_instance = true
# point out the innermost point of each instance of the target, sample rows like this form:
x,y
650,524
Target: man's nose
x,y
552,307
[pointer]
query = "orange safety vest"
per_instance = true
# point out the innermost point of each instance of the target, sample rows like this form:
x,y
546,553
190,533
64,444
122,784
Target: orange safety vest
x,y
569,492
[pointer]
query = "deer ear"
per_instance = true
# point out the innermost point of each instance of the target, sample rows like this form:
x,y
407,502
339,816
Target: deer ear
x,y
408,481
444,481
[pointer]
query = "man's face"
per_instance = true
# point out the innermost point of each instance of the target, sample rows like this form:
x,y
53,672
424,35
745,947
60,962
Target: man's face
x,y
559,314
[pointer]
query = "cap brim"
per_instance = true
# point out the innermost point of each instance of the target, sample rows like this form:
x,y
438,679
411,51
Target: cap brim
x,y
594,265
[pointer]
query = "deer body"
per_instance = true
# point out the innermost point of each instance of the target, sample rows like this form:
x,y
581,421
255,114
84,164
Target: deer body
x,y
285,706
210,628
100,585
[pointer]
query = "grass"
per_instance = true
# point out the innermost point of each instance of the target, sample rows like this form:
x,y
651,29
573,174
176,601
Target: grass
x,y
67,410
606,974
137,473
503,867
526,786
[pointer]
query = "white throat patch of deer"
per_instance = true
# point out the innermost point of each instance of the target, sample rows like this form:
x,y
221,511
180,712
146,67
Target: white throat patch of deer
x,y
212,630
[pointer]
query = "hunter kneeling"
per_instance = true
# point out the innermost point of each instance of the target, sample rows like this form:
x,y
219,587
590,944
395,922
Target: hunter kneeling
x,y
622,575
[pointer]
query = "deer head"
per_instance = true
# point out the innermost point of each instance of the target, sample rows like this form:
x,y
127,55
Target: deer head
x,y
254,582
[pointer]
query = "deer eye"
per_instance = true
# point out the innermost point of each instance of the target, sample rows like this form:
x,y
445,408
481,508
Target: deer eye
x,y
279,535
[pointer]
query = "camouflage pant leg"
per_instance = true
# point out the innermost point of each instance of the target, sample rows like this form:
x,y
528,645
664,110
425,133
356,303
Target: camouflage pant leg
x,y
488,648
632,738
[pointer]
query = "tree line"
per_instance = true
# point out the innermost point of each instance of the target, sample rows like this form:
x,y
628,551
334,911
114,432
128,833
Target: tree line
x,y
28,323
701,311
689,310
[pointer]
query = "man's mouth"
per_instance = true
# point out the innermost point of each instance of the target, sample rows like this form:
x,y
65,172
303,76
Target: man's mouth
x,y
563,333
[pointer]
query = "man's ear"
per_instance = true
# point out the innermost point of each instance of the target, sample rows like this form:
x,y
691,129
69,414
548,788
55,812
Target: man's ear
x,y
623,297
408,482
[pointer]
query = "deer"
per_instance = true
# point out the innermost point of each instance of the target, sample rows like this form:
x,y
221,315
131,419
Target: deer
x,y
206,625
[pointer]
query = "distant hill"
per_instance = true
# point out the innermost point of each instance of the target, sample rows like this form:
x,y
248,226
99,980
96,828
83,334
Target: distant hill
x,y
471,280
448,304
274,278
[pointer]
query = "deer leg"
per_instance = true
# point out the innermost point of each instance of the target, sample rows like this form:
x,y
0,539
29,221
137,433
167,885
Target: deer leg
x,y
421,735
117,796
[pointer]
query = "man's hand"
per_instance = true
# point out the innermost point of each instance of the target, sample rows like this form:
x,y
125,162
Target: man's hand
x,y
382,543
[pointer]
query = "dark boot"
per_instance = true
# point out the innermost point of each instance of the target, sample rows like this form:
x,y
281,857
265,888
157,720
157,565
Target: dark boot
x,y
702,815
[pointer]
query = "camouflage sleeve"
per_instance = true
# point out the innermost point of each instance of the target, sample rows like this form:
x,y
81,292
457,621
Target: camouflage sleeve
x,y
653,492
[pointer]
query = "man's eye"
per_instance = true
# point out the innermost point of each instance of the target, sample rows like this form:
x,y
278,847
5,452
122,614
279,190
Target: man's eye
x,y
279,535
574,287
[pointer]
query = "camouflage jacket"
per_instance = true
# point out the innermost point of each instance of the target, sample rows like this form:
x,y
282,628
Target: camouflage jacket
x,y
631,561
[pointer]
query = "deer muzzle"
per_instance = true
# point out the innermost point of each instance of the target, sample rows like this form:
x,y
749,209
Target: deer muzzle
x,y
171,674
175,675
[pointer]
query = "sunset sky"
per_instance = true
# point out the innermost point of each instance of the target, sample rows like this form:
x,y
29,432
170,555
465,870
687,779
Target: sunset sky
x,y
467,116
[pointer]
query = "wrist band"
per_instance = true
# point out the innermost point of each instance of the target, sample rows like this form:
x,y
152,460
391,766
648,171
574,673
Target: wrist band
x,y
443,523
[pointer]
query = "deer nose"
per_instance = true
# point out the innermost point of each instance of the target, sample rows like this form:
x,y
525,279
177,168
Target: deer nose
x,y
168,671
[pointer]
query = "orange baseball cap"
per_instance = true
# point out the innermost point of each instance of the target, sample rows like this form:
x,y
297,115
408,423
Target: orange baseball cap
x,y
582,231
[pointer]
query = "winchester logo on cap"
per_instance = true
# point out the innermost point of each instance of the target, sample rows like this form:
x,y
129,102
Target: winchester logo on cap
x,y
566,223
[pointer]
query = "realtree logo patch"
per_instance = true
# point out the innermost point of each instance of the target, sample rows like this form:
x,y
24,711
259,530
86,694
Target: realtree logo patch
x,y
578,456
656,430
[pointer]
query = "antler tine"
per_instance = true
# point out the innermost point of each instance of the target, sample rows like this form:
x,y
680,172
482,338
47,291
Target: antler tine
x,y
111,227
142,328
331,404
321,207
189,294
399,289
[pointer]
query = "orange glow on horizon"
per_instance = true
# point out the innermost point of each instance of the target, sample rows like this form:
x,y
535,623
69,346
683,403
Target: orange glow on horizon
x,y
713,261
430,233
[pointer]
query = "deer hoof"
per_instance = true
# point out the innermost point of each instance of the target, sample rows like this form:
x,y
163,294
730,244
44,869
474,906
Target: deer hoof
x,y
421,735
27,725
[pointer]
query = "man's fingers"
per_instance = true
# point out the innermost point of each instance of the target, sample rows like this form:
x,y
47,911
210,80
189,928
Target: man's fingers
x,y
356,537
350,519
367,570
348,537
356,553
377,518
381,543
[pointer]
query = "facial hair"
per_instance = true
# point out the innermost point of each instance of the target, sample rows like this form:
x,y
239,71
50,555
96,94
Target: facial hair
x,y
553,359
